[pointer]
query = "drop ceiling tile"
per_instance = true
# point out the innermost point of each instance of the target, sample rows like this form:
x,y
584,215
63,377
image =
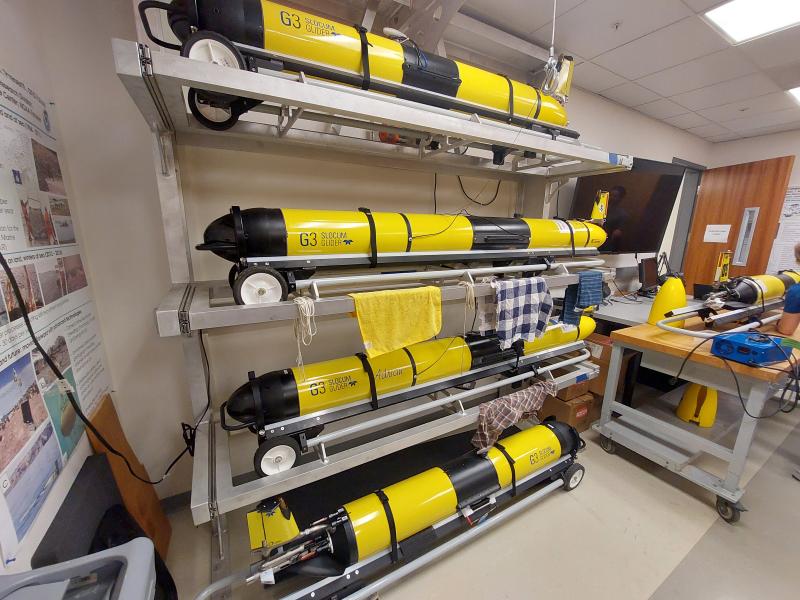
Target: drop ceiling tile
x,y
758,121
661,109
596,79
702,5
712,129
700,72
484,61
735,90
503,53
519,17
596,26
746,108
775,50
725,137
680,42
687,121
792,126
786,77
630,94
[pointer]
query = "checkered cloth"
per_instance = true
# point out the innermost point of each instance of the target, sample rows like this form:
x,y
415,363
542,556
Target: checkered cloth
x,y
587,292
523,309
498,415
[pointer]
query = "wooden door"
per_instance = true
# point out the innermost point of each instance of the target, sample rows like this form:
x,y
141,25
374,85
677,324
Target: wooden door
x,y
724,195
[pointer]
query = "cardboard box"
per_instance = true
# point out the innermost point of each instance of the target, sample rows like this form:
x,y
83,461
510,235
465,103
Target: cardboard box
x,y
573,391
579,412
598,384
600,348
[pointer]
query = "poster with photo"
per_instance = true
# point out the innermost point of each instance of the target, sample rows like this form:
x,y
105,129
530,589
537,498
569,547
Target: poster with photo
x,y
39,427
782,255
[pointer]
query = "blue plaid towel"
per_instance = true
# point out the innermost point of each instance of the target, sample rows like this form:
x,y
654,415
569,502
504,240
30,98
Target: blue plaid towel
x,y
523,309
587,292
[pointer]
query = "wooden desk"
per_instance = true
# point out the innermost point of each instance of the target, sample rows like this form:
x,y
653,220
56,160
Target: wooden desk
x,y
672,443
653,338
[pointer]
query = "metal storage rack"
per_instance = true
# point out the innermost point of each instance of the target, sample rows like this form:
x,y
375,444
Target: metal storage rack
x,y
306,117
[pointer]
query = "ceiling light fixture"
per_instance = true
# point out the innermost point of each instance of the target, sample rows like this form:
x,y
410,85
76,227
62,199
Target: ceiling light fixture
x,y
796,93
743,20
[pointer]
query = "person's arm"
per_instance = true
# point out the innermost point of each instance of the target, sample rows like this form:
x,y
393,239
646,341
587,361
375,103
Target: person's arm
x,y
790,320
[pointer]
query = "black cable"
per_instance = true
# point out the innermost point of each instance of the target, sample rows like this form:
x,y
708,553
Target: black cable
x,y
735,379
67,388
491,221
435,185
628,296
441,356
741,399
424,235
629,301
794,365
475,200
464,211
686,358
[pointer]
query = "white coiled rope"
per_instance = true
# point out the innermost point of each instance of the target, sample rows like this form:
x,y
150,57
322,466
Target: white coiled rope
x,y
469,299
305,327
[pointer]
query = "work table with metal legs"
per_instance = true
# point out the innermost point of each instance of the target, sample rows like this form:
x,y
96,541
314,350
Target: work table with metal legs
x,y
666,440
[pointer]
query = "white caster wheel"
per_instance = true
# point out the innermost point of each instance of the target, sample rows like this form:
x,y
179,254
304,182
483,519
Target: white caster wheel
x,y
276,456
212,109
259,285
573,476
211,47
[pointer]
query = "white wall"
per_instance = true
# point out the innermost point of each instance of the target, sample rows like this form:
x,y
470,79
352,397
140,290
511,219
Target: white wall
x,y
21,56
760,148
114,195
616,128
112,168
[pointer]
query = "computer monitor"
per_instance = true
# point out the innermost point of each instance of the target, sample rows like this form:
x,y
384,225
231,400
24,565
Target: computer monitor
x,y
648,274
639,206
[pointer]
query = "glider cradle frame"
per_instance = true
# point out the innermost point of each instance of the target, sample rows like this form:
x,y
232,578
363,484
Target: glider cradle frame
x,y
316,119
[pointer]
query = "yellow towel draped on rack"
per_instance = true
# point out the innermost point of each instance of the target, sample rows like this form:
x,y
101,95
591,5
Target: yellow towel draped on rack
x,y
392,319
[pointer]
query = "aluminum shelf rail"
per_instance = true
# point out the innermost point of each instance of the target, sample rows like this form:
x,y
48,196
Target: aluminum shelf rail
x,y
209,305
156,81
215,493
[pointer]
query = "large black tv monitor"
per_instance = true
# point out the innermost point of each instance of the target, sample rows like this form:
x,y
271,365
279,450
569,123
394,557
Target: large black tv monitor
x,y
639,207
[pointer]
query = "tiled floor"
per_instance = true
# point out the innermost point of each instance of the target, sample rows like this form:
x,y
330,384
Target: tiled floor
x,y
631,530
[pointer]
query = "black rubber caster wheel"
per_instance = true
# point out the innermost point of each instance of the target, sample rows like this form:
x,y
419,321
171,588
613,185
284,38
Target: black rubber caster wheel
x,y
276,455
259,285
232,275
212,109
730,513
608,444
211,114
573,476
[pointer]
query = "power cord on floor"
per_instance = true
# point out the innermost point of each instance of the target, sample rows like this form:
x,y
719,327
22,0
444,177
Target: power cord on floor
x,y
189,432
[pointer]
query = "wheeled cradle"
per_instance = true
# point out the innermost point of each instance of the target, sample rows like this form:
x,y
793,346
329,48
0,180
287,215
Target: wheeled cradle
x,y
273,249
287,409
376,540
261,35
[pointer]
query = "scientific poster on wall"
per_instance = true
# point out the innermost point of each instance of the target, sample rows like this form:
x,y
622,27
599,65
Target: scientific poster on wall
x,y
38,426
782,255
